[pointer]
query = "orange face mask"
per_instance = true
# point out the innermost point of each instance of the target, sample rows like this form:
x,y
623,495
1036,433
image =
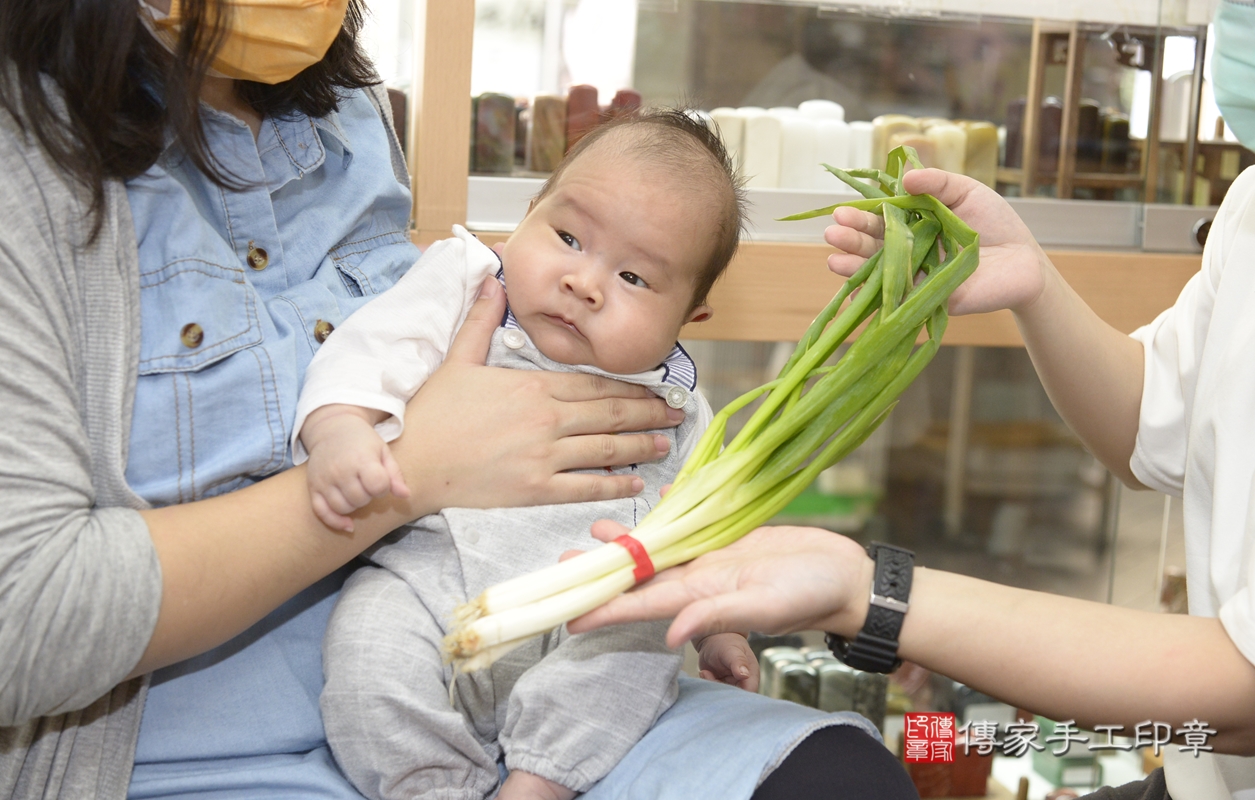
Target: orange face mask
x,y
268,41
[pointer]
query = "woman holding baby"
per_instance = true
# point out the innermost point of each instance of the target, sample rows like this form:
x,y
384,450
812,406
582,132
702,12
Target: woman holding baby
x,y
193,198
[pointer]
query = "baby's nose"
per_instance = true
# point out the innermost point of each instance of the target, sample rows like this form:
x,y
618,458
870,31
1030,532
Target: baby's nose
x,y
583,288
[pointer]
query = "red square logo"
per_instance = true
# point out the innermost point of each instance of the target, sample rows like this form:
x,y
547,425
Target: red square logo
x,y
929,738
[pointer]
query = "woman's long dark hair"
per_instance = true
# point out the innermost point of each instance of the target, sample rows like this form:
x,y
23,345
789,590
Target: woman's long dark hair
x,y
122,91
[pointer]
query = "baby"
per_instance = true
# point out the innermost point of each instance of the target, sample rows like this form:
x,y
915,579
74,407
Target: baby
x,y
616,253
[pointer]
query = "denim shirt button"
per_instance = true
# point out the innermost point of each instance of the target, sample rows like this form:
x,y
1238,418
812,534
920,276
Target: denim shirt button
x,y
258,258
322,329
192,335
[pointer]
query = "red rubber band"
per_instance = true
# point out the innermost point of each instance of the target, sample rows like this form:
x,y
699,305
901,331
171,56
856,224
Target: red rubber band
x,y
644,566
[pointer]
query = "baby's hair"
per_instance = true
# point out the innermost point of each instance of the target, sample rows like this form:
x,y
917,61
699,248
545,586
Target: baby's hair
x,y
674,138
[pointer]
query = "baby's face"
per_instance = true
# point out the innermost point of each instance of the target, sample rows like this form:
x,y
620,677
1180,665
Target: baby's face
x,y
601,270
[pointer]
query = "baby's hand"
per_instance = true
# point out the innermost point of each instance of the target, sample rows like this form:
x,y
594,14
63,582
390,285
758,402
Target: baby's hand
x,y
349,464
727,658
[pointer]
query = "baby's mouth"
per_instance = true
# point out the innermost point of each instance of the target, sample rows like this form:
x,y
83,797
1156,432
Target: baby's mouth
x,y
563,322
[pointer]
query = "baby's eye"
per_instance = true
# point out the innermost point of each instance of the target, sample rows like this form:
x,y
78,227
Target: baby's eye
x,y
633,278
569,239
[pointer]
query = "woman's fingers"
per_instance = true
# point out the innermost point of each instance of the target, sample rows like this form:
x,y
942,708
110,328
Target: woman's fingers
x,y
739,610
661,597
845,264
855,231
470,346
584,452
947,187
616,415
856,235
583,488
575,387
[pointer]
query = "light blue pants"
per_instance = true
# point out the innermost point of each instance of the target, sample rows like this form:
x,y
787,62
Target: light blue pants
x,y
716,742
241,723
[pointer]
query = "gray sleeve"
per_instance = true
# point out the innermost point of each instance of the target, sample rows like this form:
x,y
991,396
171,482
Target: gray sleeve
x,y
575,714
80,585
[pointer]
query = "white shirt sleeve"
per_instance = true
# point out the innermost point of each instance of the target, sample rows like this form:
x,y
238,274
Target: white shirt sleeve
x,y
1173,346
1237,613
380,356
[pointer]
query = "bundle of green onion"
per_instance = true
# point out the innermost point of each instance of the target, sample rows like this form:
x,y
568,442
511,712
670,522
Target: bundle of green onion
x,y
812,416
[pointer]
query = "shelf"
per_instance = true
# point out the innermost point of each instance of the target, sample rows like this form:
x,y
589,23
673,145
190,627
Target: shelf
x,y
498,203
1102,13
1091,180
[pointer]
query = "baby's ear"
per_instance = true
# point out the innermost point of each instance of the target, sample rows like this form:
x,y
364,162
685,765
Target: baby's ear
x,y
700,314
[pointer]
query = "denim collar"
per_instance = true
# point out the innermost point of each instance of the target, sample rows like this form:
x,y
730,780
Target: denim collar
x,y
288,147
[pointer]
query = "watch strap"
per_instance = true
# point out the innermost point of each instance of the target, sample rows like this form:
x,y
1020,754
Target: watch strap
x,y
875,649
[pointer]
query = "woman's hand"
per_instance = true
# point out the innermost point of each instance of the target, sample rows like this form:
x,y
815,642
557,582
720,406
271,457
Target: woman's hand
x,y
1092,372
1012,265
774,580
478,436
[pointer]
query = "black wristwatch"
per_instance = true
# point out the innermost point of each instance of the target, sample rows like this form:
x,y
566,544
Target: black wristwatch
x,y
875,649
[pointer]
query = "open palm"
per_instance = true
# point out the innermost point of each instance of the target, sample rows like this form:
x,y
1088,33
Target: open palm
x,y
774,580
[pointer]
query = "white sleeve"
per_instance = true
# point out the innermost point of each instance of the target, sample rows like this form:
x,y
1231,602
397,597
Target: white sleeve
x,y
1237,612
380,356
1173,346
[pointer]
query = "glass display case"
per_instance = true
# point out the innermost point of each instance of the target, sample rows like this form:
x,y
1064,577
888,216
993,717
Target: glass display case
x,y
1104,139
907,71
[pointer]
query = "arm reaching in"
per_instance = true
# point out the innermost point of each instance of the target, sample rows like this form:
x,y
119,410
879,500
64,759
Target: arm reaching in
x,y
1092,372
1058,656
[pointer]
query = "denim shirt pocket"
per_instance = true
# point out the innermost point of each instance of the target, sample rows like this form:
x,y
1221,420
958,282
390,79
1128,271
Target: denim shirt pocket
x,y
208,396
195,313
372,264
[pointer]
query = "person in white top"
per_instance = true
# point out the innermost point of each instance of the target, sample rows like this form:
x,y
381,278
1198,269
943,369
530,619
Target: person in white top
x,y
1170,407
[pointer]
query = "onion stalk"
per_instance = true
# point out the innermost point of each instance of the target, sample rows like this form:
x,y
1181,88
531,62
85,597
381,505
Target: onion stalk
x,y
811,416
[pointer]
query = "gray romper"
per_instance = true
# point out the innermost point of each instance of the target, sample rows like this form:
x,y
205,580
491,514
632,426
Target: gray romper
x,y
564,707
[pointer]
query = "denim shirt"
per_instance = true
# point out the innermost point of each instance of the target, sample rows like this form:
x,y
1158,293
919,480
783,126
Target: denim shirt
x,y
237,289
261,274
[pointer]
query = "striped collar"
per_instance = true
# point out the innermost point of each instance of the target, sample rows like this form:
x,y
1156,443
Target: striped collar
x,y
677,368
